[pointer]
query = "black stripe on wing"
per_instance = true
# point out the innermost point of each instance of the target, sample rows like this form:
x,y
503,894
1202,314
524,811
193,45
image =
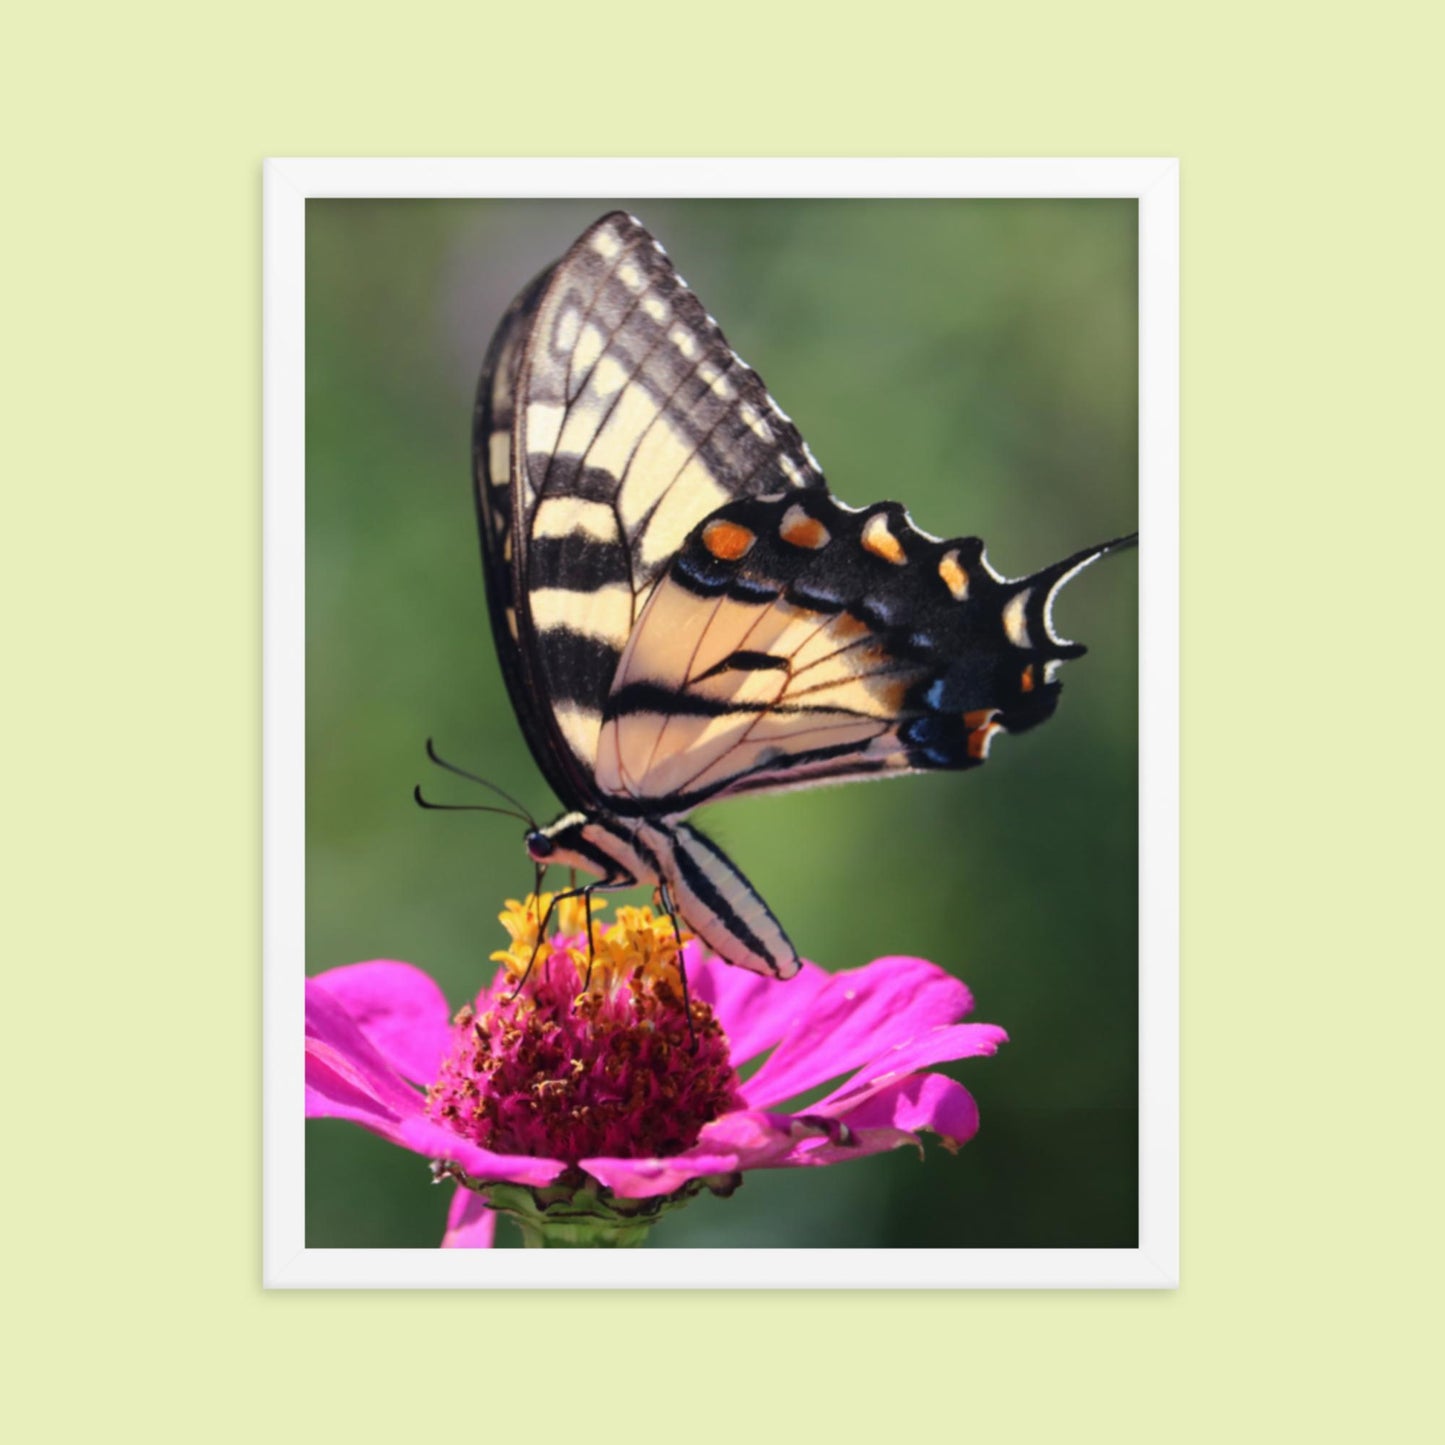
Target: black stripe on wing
x,y
493,422
724,909
830,644
633,421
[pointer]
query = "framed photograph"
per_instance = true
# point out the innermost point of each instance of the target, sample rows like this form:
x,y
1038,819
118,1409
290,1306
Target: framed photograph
x,y
622,517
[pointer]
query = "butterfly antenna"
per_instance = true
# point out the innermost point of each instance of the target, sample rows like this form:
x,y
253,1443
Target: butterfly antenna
x,y
431,807
441,762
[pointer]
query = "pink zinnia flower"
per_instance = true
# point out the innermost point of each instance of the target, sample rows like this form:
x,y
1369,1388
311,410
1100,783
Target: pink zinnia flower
x,y
586,1103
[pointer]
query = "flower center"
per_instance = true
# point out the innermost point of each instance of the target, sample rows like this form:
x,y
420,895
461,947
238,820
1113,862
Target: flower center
x,y
568,1066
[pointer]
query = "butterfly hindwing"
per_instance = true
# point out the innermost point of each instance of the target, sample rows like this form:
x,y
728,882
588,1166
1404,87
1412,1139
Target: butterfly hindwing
x,y
796,641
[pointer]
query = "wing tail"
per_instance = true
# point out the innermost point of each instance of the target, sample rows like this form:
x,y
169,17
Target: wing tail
x,y
1044,587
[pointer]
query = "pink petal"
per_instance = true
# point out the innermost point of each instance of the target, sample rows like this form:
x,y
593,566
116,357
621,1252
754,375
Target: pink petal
x,y
332,1092
344,1072
347,1078
399,1008
747,1139
892,1116
937,1046
755,1012
435,1142
856,1018
470,1224
924,1101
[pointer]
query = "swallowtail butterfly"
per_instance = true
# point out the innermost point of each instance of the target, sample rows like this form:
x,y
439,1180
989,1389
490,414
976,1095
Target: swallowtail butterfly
x,y
684,612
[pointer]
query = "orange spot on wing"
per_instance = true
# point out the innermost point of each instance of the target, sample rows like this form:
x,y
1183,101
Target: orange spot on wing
x,y
727,541
980,738
878,540
801,530
979,717
1026,682
954,576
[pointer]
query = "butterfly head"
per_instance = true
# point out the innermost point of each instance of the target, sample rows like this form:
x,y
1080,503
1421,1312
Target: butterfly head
x,y
557,842
575,840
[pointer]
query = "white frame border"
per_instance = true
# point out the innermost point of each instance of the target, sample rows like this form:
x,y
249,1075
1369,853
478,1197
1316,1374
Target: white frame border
x,y
289,183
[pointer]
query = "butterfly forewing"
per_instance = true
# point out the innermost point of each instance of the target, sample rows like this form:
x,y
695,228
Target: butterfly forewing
x,y
493,454
631,420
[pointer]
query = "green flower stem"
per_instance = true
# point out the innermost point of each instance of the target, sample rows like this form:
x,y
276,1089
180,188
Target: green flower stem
x,y
581,1234
577,1213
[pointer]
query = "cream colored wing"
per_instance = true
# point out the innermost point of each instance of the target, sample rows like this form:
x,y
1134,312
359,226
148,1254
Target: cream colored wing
x,y
613,418
797,641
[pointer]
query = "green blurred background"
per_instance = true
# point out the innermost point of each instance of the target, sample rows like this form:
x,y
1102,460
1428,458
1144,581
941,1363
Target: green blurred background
x,y
975,360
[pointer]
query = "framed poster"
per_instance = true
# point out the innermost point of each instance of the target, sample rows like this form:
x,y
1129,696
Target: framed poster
x,y
992,977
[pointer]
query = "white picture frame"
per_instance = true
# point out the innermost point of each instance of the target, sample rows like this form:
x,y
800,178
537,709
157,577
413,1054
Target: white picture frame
x,y
288,1263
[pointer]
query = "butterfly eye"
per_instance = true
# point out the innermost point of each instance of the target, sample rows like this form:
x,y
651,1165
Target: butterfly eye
x,y
539,846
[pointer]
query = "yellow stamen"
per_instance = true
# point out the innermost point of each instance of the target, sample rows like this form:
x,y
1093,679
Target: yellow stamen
x,y
639,943
523,919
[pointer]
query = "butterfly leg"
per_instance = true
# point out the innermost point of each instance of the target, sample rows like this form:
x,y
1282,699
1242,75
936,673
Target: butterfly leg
x,y
664,897
620,880
591,950
542,933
